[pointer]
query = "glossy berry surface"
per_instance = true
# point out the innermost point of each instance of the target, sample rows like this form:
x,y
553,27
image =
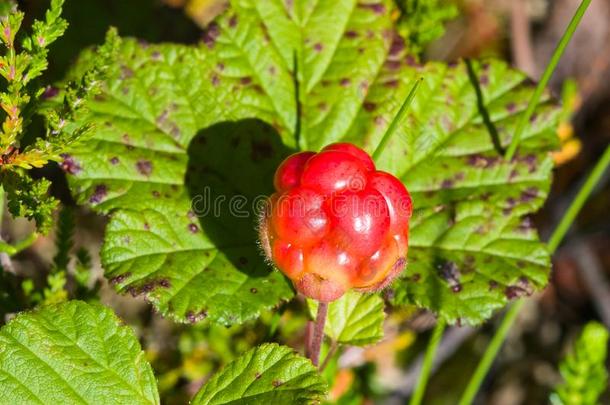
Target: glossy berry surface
x,y
336,223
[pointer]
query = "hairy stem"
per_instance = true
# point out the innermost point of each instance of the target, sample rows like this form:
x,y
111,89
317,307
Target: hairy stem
x,y
496,343
420,388
546,76
318,334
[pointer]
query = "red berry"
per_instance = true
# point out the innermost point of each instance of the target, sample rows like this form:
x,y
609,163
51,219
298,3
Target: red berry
x,y
354,151
288,174
359,220
329,172
299,217
288,258
397,197
336,223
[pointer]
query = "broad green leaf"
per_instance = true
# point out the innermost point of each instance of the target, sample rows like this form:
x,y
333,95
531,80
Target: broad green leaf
x,y
73,353
583,370
171,115
267,374
354,319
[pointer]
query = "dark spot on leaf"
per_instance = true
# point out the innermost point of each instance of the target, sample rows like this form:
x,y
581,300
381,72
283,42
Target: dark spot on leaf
x,y
272,70
215,80
253,290
114,160
493,285
393,64
484,80
511,107
210,35
233,21
478,160
411,61
220,66
526,225
99,193
257,375
456,288
376,8
533,118
277,383
119,279
162,117
126,72
391,83
351,34
345,82
246,80
146,226
69,165
193,228
318,47
368,106
459,176
397,46
513,173
447,183
449,272
144,167
156,194
322,106
416,277
528,195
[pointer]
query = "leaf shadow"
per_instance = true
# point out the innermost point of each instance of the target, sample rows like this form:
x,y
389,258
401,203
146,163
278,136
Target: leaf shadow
x,y
229,178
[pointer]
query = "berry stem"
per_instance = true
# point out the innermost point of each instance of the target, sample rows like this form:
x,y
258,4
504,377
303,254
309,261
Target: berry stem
x,y
509,318
396,120
546,76
315,343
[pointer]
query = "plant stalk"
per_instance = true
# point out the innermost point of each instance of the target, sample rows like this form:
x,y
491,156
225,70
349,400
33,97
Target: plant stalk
x,y
396,120
546,76
420,388
318,334
509,318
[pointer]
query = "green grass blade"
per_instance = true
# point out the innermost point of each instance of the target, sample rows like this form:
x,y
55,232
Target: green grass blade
x,y
546,76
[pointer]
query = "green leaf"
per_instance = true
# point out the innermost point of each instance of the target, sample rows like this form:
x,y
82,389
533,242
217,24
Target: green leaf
x,y
73,353
267,374
175,121
354,319
583,369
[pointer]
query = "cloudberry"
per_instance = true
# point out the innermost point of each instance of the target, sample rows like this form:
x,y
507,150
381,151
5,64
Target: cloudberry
x,y
335,222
